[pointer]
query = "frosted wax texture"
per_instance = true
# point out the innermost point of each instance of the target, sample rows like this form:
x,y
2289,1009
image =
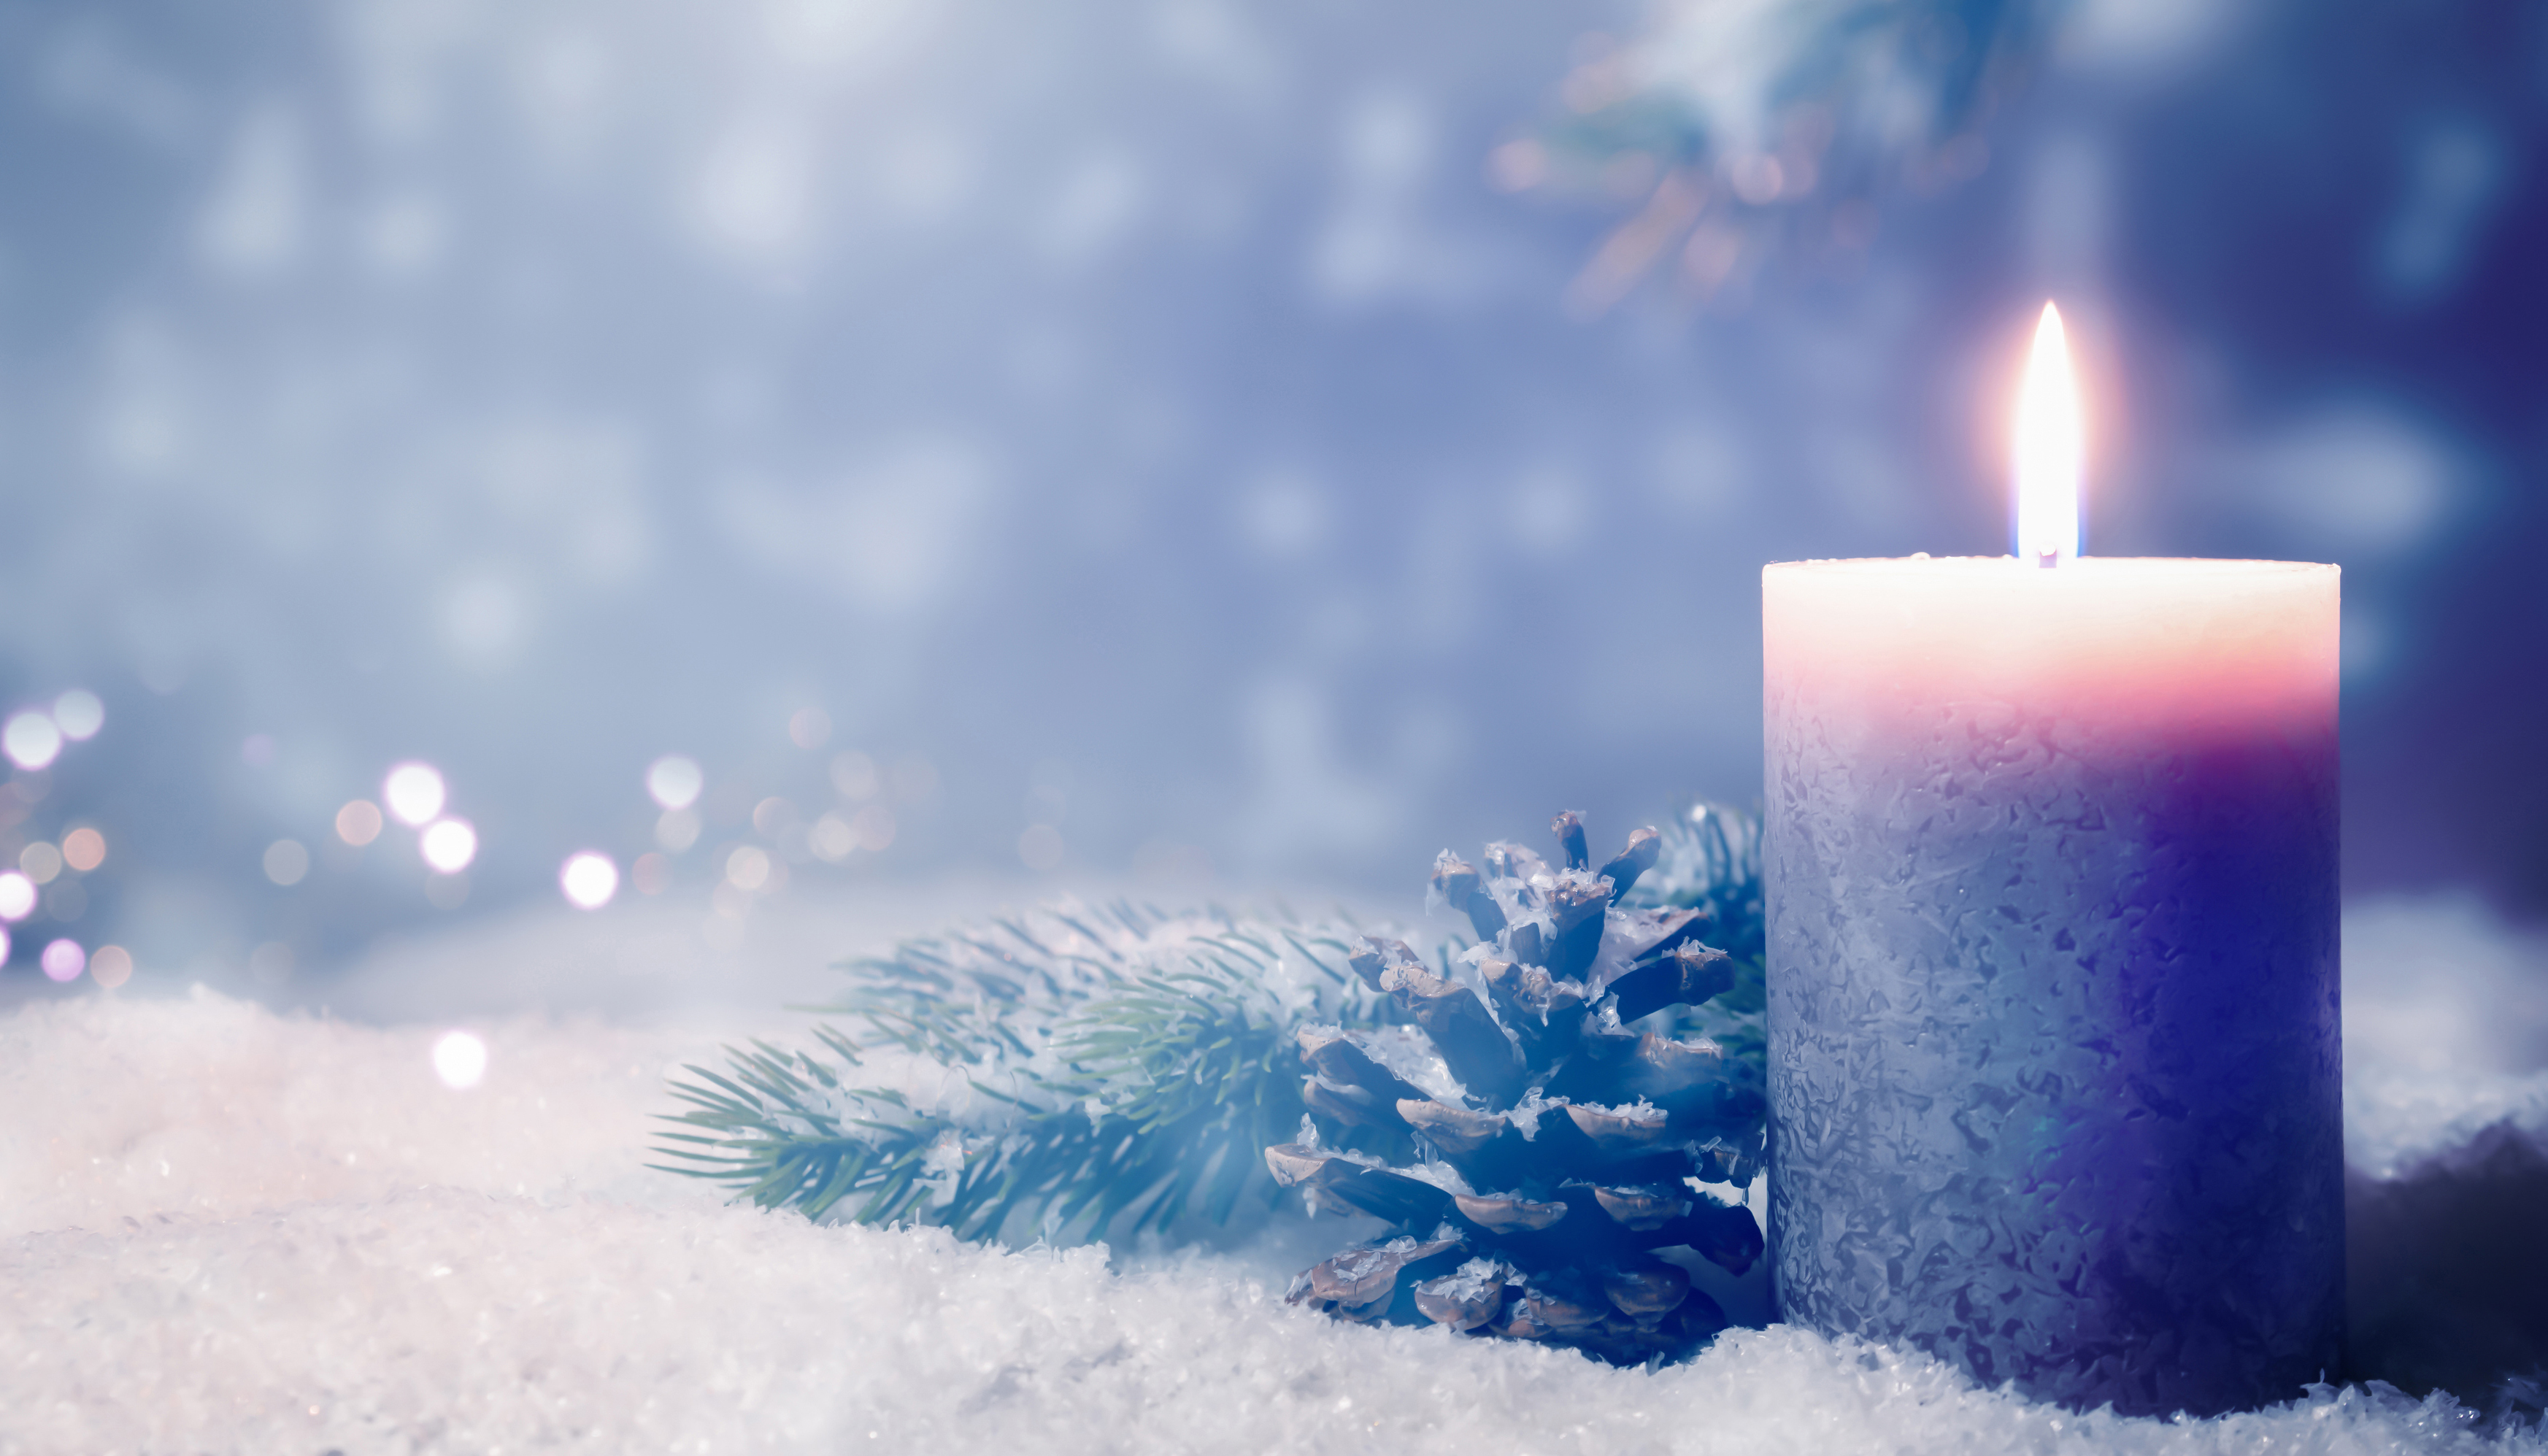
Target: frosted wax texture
x,y
2054,1069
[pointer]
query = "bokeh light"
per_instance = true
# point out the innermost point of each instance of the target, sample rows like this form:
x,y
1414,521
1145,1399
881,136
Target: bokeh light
x,y
1288,663
359,821
1041,848
32,740
747,867
41,861
588,878
111,967
873,828
854,773
677,830
809,728
413,792
83,848
448,844
652,874
675,781
63,961
287,861
831,837
17,896
460,1061
78,715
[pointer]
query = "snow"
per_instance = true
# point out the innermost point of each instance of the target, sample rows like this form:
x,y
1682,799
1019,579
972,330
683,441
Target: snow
x,y
2445,1031
1410,1055
229,1228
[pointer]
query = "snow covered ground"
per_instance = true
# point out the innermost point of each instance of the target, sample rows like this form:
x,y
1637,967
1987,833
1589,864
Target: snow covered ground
x,y
229,1228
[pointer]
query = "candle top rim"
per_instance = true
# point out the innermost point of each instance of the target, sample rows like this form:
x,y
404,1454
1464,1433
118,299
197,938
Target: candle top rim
x,y
2072,569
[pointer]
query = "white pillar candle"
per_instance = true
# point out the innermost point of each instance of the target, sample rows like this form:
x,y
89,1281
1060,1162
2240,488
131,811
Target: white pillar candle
x,y
2051,895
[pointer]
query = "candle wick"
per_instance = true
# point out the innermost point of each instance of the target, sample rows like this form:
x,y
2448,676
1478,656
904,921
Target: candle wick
x,y
2048,560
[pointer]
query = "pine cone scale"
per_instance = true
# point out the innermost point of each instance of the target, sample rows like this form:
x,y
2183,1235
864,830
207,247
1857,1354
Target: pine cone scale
x,y
1355,1107
1475,1047
1462,888
1625,868
1456,1131
1673,976
1641,1209
1649,1293
1336,1055
1506,1214
1464,1299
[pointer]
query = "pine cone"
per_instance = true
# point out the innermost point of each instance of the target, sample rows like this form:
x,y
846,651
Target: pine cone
x,y
1562,1147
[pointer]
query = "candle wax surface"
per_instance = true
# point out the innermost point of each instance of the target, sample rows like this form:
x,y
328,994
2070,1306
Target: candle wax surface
x,y
2179,647
2055,1071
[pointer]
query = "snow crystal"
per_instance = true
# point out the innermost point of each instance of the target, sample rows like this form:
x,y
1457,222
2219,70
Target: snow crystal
x,y
1525,1114
1408,1052
1470,1278
2445,1031
2397,1121
229,1230
1439,1173
1639,1111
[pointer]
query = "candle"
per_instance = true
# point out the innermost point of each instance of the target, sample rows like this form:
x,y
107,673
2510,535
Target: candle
x,y
2050,873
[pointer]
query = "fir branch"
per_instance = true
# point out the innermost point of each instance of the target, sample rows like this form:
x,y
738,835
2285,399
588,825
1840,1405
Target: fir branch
x,y
1752,133
1122,1065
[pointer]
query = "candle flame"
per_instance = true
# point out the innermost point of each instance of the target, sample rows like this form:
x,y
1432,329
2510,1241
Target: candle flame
x,y
2050,446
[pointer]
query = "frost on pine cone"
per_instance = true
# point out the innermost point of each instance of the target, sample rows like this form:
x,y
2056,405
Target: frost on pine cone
x,y
1562,1147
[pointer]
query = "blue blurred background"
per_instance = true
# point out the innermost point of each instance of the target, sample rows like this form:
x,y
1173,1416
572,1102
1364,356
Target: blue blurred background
x,y
1204,444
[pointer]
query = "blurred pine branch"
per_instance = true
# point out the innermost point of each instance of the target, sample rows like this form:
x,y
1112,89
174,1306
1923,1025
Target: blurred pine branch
x,y
1711,860
1740,131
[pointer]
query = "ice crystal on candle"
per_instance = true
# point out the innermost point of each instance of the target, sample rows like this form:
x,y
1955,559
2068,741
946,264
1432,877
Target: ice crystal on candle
x,y
2053,1059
